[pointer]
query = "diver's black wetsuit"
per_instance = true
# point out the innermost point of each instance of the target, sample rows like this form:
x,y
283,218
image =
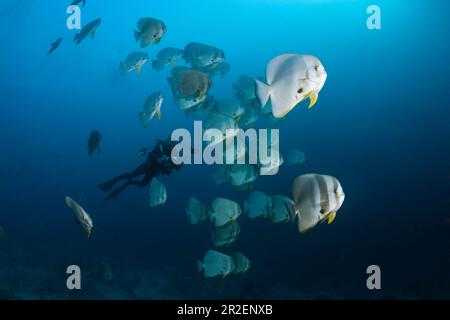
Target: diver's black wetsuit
x,y
158,162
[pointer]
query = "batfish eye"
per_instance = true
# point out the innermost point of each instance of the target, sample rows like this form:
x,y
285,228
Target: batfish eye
x,y
316,68
300,90
322,211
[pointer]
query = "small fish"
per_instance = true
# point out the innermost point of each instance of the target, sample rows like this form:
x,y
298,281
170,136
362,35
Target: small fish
x,y
134,62
242,174
216,264
242,263
157,193
196,211
54,45
317,199
189,83
149,31
151,107
225,235
244,88
258,204
291,78
88,30
282,209
224,211
94,142
200,55
81,216
167,57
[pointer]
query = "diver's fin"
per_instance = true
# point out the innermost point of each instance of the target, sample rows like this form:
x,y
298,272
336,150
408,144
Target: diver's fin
x,y
262,92
331,217
312,99
137,35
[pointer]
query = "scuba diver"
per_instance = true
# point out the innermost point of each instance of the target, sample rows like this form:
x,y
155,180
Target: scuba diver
x,y
158,162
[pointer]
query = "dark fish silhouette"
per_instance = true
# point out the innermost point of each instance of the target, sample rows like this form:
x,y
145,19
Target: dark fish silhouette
x,y
76,2
54,45
95,142
87,30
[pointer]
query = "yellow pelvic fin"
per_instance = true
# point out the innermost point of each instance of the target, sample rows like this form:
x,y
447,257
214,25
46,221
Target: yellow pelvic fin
x,y
158,113
331,217
89,232
312,99
138,70
92,34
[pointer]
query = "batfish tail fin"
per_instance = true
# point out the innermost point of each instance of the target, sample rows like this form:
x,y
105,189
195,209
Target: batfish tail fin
x,y
200,266
262,92
137,35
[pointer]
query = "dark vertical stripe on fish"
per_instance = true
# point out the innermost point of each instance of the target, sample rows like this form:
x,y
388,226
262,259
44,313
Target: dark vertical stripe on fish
x,y
335,186
324,200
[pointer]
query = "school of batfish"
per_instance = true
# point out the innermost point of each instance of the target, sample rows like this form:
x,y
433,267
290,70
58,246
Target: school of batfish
x,y
289,80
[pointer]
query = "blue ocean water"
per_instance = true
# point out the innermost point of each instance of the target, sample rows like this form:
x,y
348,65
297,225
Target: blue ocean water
x,y
381,126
